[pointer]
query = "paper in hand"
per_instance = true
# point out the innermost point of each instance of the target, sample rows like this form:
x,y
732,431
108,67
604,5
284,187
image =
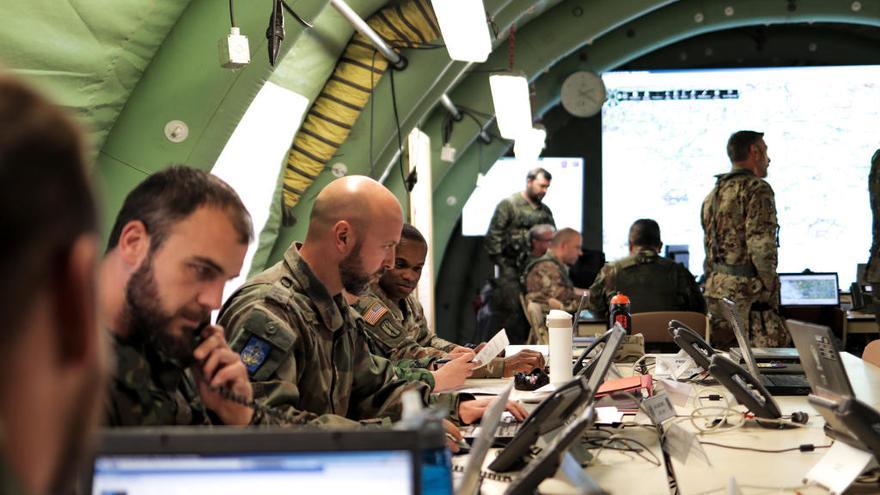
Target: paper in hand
x,y
492,348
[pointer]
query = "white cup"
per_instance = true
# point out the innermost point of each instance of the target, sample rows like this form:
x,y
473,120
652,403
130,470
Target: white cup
x,y
559,328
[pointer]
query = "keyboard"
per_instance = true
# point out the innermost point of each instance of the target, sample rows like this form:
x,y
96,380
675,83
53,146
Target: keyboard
x,y
787,380
506,429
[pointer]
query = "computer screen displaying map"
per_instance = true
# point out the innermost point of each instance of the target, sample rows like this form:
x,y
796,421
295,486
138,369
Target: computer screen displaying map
x,y
808,289
665,135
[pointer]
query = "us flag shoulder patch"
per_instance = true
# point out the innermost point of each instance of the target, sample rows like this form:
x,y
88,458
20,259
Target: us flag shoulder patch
x,y
375,313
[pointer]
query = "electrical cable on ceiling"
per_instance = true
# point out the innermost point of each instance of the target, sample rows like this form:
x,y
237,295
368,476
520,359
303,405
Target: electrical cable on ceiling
x,y
372,110
408,181
232,14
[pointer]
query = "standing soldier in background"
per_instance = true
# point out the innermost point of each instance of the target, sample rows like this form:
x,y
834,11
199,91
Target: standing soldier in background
x,y
872,275
509,246
741,240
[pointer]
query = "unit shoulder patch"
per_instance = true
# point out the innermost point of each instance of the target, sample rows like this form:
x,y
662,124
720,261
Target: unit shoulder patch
x,y
254,353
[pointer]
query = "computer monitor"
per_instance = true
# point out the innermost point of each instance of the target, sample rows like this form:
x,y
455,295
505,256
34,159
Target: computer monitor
x,y
679,253
809,289
267,461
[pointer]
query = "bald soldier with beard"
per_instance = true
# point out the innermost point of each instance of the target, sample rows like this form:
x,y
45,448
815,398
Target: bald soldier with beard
x,y
304,347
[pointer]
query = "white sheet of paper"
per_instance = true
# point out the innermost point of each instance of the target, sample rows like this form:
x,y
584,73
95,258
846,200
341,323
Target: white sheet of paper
x,y
488,389
493,348
659,408
839,467
608,415
678,392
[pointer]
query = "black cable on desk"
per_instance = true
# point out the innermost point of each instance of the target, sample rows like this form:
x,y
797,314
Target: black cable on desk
x,y
806,447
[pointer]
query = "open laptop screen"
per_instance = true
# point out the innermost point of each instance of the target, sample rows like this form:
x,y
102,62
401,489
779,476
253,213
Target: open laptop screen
x,y
220,461
382,472
809,289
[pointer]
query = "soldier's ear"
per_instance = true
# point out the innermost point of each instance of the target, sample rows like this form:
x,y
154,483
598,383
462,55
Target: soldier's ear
x,y
134,243
343,237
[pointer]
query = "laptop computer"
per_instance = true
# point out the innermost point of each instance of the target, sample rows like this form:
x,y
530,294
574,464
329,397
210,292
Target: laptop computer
x,y
232,461
469,483
821,361
809,289
775,384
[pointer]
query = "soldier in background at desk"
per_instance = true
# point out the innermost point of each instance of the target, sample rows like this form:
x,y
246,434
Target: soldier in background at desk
x,y
180,236
547,282
53,352
872,274
652,283
395,321
507,244
741,241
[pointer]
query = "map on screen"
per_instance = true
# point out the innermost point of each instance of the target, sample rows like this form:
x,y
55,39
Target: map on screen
x,y
664,136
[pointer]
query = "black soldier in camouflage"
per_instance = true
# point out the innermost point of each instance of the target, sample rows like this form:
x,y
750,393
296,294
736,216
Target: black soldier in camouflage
x,y
509,246
652,283
398,329
741,240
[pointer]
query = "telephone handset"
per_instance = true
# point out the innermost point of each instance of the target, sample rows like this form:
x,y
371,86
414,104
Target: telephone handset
x,y
691,343
587,370
747,390
224,391
862,420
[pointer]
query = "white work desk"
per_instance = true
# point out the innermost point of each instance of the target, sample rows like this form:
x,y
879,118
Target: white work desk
x,y
767,472
614,471
755,472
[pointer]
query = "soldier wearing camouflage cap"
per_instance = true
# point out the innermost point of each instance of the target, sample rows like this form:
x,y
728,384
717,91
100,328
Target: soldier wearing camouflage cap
x,y
652,283
508,245
304,347
741,241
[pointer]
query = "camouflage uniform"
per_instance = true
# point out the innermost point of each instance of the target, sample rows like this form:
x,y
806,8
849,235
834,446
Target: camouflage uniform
x,y
306,351
741,240
150,389
652,283
508,246
872,275
400,333
546,278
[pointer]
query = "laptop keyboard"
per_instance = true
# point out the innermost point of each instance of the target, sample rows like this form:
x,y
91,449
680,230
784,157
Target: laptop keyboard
x,y
788,380
505,430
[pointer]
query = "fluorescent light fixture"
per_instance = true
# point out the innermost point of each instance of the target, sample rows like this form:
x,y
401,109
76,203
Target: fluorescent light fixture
x,y
464,28
529,144
513,110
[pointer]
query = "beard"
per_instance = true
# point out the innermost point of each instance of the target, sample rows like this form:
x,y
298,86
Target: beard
x,y
536,197
352,274
148,322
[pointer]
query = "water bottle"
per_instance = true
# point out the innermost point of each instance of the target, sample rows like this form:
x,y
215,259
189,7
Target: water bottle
x,y
619,312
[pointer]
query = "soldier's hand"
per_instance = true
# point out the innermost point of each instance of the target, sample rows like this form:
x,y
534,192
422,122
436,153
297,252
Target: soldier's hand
x,y
554,303
454,373
472,410
459,350
523,361
453,435
218,366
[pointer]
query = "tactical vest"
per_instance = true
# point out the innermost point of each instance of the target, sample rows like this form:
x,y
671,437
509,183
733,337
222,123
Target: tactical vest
x,y
651,283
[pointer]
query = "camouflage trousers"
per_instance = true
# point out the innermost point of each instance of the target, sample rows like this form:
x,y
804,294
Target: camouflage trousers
x,y
507,311
766,328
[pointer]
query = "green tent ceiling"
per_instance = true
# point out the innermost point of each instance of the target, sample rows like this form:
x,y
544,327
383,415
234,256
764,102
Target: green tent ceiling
x,y
127,68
